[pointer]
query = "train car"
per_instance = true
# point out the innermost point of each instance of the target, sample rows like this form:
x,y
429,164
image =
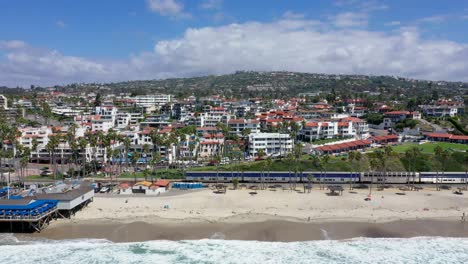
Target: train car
x,y
272,177
390,177
206,176
332,177
446,177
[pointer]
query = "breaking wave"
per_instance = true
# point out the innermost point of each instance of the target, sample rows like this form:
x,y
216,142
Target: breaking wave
x,y
358,250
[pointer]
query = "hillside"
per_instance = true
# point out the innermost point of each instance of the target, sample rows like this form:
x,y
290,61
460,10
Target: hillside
x,y
276,84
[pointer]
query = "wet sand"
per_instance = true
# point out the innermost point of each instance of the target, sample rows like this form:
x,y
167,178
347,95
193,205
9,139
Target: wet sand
x,y
270,230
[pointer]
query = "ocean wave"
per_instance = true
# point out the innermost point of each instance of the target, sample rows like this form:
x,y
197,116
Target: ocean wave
x,y
359,250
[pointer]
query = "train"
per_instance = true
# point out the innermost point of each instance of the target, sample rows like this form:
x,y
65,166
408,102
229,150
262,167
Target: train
x,y
327,177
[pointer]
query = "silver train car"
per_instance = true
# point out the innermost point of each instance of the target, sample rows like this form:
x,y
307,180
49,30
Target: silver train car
x,y
446,177
389,177
280,177
327,177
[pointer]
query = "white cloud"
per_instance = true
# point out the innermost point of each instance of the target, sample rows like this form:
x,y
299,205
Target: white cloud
x,y
171,8
12,44
287,44
60,24
211,4
349,19
362,5
293,15
433,19
393,23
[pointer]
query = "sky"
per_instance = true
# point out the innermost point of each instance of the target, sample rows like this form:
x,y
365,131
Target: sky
x,y
59,42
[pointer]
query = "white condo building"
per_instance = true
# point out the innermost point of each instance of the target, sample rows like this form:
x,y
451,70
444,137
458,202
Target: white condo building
x,y
271,143
152,100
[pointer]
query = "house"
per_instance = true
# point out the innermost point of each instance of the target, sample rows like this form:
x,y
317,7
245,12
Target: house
x,y
343,147
446,138
125,188
141,187
392,117
158,187
385,139
440,110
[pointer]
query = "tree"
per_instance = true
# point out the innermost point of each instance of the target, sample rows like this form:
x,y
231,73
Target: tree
x,y
438,154
246,132
51,147
83,144
235,183
374,166
310,180
97,100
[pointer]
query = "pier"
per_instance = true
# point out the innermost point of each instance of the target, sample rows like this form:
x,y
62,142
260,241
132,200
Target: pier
x,y
33,213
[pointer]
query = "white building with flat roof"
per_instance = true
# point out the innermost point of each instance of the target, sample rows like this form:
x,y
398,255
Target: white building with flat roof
x,y
271,143
3,102
152,100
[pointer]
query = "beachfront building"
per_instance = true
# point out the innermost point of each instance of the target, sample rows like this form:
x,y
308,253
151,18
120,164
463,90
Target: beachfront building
x,y
237,126
325,130
271,143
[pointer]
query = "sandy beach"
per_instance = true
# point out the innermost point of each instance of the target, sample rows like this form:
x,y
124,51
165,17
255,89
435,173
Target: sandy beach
x,y
280,215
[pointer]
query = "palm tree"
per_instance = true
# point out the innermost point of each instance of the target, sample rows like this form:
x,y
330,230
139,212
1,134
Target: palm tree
x,y
35,144
260,154
126,143
351,158
411,156
310,180
438,154
268,163
324,162
290,162
51,148
134,161
83,144
374,166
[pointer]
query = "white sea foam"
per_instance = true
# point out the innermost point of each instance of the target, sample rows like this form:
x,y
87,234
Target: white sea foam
x,y
361,250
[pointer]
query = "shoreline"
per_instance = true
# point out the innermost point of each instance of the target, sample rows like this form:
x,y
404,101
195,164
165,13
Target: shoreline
x,y
266,216
274,230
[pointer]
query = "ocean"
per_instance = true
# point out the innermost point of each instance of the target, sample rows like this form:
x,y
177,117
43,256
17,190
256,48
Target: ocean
x,y
359,250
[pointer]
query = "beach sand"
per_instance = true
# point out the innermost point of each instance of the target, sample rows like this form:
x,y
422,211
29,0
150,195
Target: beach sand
x,y
280,215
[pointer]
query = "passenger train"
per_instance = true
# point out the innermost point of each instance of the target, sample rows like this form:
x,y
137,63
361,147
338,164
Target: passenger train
x,y
327,177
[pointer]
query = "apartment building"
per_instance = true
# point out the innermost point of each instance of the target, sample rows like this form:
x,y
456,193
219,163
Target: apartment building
x,y
151,100
360,126
271,143
236,126
3,102
440,110
326,130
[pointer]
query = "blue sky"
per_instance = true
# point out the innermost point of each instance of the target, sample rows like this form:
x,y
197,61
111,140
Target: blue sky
x,y
55,42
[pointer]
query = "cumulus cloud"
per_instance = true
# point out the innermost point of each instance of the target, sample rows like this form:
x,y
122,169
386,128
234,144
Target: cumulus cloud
x,y
12,44
349,19
393,23
211,4
171,8
434,19
287,44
